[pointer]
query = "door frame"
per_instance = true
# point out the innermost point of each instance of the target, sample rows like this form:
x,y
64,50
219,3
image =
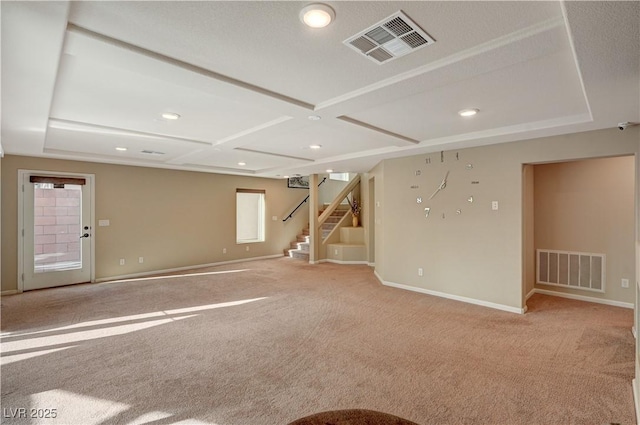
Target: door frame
x,y
90,178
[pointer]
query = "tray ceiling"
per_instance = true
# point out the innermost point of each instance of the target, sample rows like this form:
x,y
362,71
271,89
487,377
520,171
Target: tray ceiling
x,y
80,79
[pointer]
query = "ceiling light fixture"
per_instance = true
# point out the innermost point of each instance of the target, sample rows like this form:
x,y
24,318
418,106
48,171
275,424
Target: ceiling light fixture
x,y
468,112
317,15
121,149
315,146
242,163
170,116
329,170
314,117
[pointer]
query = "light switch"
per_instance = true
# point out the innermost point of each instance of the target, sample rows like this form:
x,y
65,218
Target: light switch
x,y
103,223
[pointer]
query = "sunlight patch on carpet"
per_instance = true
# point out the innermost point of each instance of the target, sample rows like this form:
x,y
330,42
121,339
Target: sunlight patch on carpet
x,y
73,337
7,359
68,407
174,276
134,317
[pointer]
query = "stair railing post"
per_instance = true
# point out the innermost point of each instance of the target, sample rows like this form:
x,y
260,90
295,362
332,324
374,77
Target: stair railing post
x,y
313,219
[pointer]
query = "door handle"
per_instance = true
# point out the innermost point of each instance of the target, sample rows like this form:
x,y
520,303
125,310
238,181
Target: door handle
x,y
86,235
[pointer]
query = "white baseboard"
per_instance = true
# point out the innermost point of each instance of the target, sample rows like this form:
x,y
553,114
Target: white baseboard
x,y
179,269
375,273
584,298
328,260
635,397
530,294
9,292
453,297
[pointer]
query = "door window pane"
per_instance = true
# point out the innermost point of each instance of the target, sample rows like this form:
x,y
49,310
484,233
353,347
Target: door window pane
x,y
57,227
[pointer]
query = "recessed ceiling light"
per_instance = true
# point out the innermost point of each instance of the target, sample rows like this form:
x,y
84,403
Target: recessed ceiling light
x,y
468,112
242,163
170,116
329,171
285,177
315,146
314,117
121,149
317,15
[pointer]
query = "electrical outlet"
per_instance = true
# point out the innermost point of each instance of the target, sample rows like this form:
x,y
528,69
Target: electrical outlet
x,y
335,252
420,271
224,250
625,283
140,260
494,205
122,261
247,248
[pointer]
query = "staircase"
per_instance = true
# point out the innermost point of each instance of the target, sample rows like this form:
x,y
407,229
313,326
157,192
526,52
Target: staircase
x,y
300,247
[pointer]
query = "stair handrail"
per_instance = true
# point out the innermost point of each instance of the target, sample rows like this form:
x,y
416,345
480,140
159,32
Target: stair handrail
x,y
300,204
338,199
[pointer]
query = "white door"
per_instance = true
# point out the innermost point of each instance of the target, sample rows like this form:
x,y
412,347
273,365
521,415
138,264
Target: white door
x,y
56,231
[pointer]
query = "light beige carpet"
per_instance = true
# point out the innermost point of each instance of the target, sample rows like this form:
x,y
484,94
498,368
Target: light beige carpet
x,y
270,342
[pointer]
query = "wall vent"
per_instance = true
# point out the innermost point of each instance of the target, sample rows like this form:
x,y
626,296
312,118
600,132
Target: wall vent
x,y
579,270
391,38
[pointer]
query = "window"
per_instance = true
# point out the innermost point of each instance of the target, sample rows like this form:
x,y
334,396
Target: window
x,y
250,215
339,176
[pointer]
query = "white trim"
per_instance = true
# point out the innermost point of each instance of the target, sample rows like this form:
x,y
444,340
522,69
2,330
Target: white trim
x,y
453,297
370,264
328,260
635,394
375,273
10,292
179,269
633,331
530,294
584,298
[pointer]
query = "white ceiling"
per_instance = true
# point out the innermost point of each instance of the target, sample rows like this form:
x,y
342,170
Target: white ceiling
x,y
82,78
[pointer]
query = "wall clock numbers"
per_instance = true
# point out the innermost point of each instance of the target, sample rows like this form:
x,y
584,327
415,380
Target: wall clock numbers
x,y
452,180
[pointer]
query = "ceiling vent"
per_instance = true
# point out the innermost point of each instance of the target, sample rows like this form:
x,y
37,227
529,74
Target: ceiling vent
x,y
389,39
149,152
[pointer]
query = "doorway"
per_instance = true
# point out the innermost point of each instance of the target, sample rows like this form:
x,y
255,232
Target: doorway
x,y
55,225
575,212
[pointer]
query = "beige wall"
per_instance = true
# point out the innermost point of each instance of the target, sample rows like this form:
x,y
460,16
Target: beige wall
x,y
477,254
171,218
636,324
589,206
